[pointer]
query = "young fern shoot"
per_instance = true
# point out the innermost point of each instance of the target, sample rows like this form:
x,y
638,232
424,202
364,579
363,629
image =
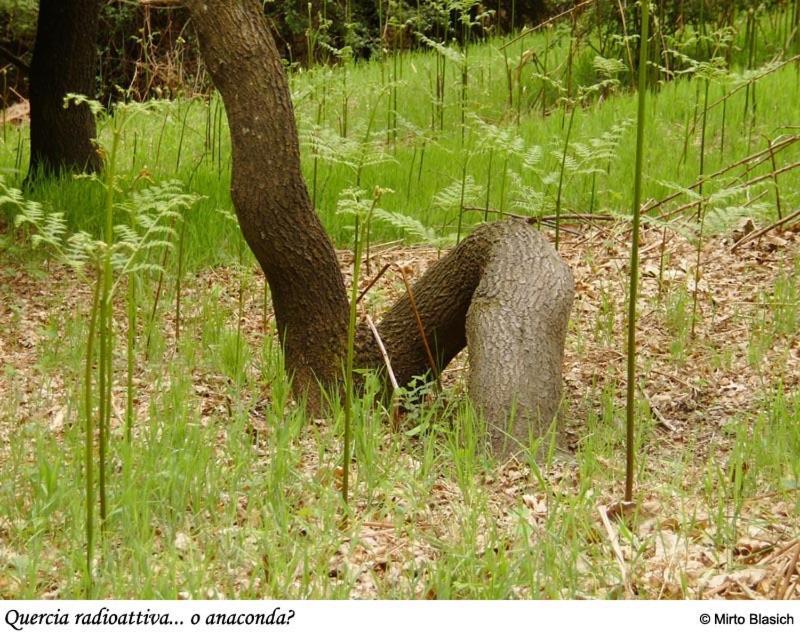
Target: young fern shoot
x,y
630,405
354,203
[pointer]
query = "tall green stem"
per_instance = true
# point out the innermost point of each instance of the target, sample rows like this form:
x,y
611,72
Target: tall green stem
x,y
630,406
700,209
106,325
488,185
348,375
89,437
561,175
350,356
178,284
461,198
239,315
130,356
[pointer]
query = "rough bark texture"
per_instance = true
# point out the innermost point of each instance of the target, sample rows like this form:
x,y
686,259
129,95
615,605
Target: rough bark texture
x,y
506,294
63,62
516,326
268,190
503,290
442,297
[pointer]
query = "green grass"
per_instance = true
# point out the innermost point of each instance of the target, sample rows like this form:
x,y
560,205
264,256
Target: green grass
x,y
228,488
238,496
188,140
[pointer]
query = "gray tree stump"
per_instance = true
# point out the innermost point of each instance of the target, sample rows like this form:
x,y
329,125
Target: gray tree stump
x,y
516,326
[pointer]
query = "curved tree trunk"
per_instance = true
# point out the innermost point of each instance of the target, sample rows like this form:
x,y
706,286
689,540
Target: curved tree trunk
x,y
63,62
503,291
516,327
269,192
506,294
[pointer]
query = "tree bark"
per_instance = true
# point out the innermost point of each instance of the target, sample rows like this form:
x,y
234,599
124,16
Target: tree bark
x,y
506,295
503,291
516,327
63,62
269,193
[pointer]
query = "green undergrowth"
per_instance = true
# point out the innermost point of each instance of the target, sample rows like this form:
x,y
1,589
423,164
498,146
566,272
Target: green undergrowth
x,y
451,161
229,489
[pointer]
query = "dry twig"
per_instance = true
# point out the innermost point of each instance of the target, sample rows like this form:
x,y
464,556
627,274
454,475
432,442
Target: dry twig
x,y
613,539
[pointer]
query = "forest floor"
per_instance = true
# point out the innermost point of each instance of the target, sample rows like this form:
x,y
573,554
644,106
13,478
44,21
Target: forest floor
x,y
717,482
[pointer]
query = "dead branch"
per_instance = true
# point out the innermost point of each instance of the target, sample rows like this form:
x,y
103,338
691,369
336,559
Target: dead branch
x,y
612,537
663,421
6,55
421,328
373,282
765,152
555,18
760,233
753,79
384,354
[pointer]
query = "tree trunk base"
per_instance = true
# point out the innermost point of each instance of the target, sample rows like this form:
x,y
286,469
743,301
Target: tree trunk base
x,y
62,139
506,294
516,327
503,290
